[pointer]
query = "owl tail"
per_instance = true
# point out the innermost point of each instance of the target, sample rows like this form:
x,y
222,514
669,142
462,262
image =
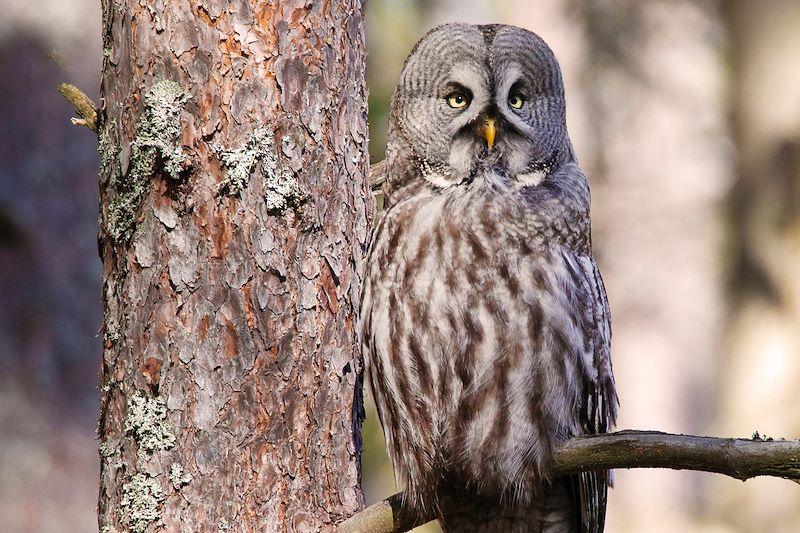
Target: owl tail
x,y
551,512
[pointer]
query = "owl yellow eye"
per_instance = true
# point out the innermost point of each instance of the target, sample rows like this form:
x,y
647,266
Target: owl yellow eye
x,y
516,100
457,100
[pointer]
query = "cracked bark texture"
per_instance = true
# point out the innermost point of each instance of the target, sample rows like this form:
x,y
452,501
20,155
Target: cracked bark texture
x,y
231,379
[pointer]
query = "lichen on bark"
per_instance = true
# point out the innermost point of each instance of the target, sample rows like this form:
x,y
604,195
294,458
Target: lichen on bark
x,y
141,502
282,188
178,477
146,420
110,330
234,303
157,139
107,150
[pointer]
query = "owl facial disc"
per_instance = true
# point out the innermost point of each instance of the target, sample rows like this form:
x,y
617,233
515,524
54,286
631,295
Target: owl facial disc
x,y
475,101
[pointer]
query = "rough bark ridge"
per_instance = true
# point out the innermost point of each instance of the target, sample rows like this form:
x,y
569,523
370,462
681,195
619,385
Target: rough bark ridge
x,y
234,218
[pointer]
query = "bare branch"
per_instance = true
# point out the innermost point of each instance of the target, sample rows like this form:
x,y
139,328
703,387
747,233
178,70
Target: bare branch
x,y
377,175
82,104
386,516
738,458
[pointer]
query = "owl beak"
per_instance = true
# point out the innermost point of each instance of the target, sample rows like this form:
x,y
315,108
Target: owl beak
x,y
489,131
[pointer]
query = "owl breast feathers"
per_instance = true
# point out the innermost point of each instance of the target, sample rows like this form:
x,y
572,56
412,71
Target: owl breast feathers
x,y
484,321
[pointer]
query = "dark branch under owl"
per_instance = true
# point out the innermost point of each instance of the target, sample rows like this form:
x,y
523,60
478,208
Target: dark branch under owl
x,y
484,321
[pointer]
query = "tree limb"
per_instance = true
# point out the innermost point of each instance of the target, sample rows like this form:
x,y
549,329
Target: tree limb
x,y
377,175
82,104
738,458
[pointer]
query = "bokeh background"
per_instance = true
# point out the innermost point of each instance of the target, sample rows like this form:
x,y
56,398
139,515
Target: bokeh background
x,y
684,114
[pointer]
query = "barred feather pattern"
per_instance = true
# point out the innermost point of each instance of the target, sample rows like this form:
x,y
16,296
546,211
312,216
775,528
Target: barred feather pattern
x,y
486,333
486,330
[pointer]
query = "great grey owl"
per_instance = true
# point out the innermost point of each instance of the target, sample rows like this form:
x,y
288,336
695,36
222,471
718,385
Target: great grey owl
x,y
484,320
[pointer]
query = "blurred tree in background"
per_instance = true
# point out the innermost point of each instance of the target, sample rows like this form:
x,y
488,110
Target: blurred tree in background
x,y
759,374
686,116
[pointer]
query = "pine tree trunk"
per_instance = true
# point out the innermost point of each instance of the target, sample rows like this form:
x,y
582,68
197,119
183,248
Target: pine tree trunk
x,y
234,218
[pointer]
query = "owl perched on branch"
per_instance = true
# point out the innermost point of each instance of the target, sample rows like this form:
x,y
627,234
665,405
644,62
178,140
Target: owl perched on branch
x,y
484,320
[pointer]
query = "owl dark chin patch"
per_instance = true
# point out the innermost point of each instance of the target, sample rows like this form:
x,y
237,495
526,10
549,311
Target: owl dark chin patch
x,y
507,156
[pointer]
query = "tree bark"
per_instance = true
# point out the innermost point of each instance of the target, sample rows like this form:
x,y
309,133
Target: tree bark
x,y
234,218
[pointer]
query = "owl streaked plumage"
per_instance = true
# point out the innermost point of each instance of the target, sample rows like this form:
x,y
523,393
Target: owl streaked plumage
x,y
484,321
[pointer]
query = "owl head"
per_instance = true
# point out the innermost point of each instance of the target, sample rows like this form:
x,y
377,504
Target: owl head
x,y
473,100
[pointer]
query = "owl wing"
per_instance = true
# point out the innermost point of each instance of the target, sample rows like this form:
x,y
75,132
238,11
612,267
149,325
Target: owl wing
x,y
599,402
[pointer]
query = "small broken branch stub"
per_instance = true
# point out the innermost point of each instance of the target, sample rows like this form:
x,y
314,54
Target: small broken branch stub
x,y
83,105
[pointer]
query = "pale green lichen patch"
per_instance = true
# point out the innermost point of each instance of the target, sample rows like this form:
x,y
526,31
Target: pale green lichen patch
x,y
282,188
111,331
107,450
157,139
146,420
282,191
159,130
239,162
107,151
178,477
141,499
